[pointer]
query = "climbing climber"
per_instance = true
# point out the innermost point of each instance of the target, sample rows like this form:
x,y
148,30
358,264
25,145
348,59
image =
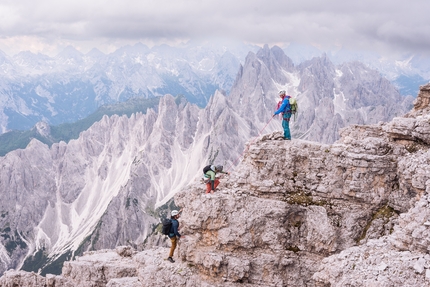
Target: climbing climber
x,y
209,176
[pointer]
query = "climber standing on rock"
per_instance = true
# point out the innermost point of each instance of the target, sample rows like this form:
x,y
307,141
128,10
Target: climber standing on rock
x,y
285,109
174,235
209,176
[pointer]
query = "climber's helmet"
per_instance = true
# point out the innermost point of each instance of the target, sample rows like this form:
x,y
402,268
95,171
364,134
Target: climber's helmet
x,y
174,212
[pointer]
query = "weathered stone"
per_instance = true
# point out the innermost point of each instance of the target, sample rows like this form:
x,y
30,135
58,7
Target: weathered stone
x,y
13,278
125,251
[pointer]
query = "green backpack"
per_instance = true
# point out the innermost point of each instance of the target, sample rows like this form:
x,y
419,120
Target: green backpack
x,y
293,106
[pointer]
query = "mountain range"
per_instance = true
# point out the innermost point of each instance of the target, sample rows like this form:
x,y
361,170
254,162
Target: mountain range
x,y
65,132
72,85
407,72
105,188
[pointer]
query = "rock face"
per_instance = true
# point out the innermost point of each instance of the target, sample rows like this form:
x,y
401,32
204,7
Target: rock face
x,y
422,103
293,213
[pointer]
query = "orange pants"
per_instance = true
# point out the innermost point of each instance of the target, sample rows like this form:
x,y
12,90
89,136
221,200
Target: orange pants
x,y
209,186
173,247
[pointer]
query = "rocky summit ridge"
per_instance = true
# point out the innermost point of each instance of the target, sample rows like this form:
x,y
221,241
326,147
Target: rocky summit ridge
x,y
293,213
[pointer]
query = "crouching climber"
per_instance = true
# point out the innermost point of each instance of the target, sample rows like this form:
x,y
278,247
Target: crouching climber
x,y
209,176
174,235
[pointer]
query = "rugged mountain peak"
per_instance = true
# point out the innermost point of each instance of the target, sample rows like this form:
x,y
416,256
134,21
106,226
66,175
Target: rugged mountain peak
x,y
275,59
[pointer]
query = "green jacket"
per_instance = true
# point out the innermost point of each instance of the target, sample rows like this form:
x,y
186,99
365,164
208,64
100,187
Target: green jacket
x,y
211,175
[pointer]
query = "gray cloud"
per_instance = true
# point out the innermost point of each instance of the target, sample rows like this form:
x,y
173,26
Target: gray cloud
x,y
387,26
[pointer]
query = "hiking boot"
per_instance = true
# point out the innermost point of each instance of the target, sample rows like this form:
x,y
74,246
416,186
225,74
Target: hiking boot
x,y
171,259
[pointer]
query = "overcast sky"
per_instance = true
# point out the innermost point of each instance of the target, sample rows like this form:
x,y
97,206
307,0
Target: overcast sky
x,y
47,26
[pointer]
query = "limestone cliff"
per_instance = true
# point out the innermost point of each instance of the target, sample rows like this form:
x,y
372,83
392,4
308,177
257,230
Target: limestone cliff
x,y
293,213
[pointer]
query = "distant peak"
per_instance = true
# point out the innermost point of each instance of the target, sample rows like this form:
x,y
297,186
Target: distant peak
x,y
95,53
69,51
